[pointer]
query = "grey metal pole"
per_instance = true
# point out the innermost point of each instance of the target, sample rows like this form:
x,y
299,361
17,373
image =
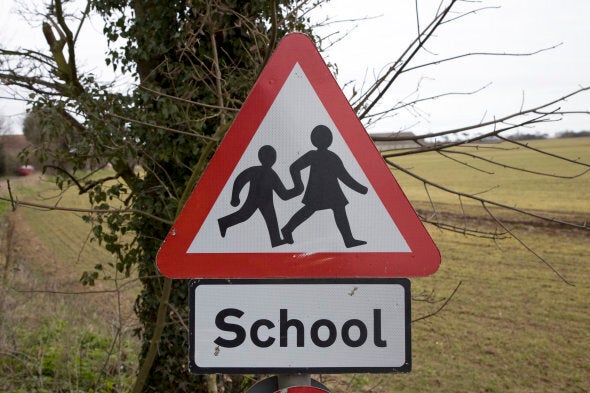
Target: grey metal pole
x,y
288,380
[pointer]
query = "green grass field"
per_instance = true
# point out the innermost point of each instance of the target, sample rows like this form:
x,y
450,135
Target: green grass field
x,y
512,326
505,185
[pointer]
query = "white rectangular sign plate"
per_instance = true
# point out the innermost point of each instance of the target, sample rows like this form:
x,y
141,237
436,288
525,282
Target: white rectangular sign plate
x,y
300,326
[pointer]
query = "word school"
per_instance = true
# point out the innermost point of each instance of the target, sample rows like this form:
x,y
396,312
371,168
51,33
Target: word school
x,y
323,333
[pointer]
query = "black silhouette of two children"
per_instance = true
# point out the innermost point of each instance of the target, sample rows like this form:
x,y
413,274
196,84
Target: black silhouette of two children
x,y
323,190
263,181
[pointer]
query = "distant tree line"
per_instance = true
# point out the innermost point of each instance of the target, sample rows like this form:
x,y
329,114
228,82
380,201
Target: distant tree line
x,y
537,136
573,134
562,134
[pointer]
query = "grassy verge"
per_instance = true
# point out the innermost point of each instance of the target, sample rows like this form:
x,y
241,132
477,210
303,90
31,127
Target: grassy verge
x,y
54,334
513,324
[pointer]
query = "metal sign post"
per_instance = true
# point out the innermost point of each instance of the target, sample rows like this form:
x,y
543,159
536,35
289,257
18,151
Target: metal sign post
x,y
289,380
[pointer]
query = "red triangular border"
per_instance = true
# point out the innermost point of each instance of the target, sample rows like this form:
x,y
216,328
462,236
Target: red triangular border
x,y
173,260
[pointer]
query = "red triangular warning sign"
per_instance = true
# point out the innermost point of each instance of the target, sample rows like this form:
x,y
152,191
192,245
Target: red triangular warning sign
x,y
297,189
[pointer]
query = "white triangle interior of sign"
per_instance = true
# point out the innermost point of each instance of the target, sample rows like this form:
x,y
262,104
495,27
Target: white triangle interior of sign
x,y
287,127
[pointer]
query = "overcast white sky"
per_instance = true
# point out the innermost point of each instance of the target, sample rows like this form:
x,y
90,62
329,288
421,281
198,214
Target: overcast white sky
x,y
518,26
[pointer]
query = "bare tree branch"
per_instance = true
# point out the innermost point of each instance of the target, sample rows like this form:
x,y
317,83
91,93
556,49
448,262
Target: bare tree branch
x,y
441,307
518,239
538,110
82,189
157,126
463,230
443,153
486,201
520,169
401,105
435,147
17,203
475,54
160,94
577,162
397,68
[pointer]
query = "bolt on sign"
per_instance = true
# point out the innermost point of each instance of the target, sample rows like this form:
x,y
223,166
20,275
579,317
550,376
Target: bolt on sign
x,y
297,188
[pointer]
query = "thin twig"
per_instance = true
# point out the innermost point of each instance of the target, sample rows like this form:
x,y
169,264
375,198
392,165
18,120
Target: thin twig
x,y
543,151
80,210
13,203
159,93
495,54
152,125
465,231
442,153
175,311
82,189
520,169
434,212
522,243
441,307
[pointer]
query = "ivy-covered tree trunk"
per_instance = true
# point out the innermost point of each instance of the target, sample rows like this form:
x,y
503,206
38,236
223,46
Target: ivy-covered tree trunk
x,y
196,62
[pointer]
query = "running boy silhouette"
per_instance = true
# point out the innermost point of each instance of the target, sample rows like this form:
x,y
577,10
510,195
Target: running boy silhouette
x,y
263,181
323,188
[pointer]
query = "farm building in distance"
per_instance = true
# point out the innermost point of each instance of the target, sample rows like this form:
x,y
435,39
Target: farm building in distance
x,y
394,141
